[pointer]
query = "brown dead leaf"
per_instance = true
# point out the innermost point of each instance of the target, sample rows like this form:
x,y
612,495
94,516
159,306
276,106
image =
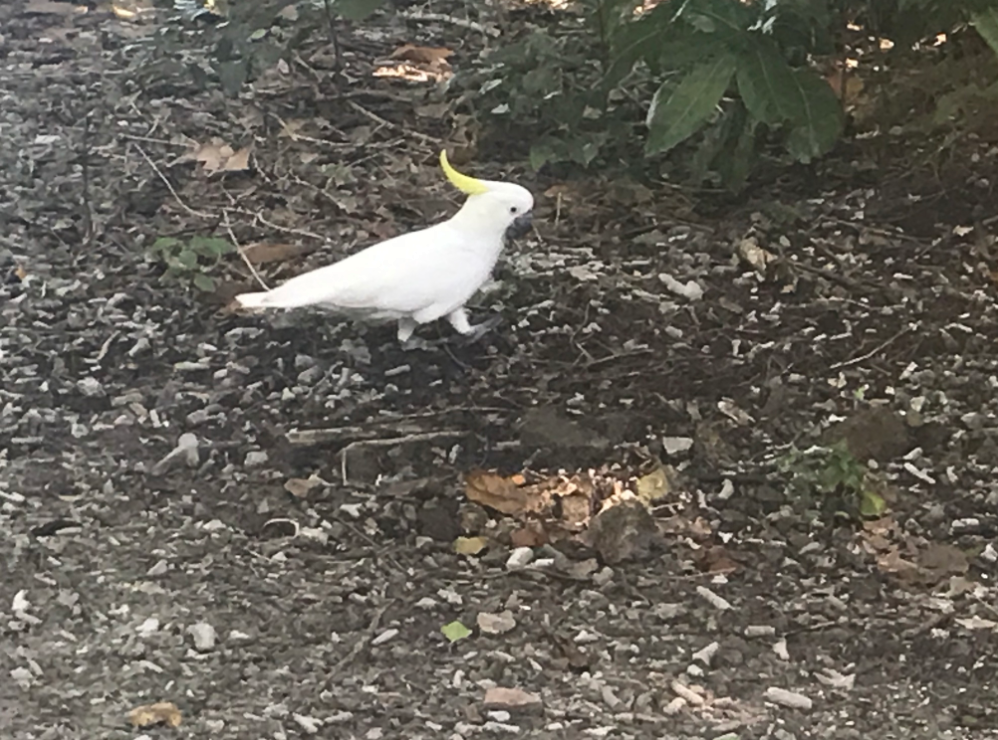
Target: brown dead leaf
x,y
301,487
531,534
160,713
943,560
262,253
49,7
217,156
432,56
715,559
656,484
575,508
506,495
470,545
239,161
892,562
432,110
512,700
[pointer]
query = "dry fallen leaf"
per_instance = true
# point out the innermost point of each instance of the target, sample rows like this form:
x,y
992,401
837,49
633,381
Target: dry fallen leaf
x,y
301,487
49,7
262,253
496,624
160,713
531,534
217,156
470,545
434,56
506,495
656,485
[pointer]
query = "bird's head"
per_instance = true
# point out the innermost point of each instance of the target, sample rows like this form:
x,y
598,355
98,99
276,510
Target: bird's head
x,y
494,206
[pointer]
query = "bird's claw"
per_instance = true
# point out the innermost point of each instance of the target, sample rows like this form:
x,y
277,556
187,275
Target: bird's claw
x,y
480,330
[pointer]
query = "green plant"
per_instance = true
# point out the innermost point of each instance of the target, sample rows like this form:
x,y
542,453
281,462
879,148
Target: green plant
x,y
716,82
832,481
191,261
260,33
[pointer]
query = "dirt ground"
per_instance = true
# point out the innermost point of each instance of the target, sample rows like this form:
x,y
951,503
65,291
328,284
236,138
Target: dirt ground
x,y
173,529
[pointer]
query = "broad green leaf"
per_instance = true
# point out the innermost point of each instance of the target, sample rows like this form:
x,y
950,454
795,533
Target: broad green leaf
x,y
775,93
986,24
210,246
203,283
715,15
233,75
541,154
164,243
455,631
679,110
819,128
187,258
356,10
871,505
766,83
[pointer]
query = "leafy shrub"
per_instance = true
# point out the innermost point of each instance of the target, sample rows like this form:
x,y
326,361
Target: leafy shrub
x,y
831,481
190,262
717,80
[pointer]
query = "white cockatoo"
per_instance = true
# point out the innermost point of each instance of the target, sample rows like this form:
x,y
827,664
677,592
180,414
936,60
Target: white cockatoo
x,y
421,276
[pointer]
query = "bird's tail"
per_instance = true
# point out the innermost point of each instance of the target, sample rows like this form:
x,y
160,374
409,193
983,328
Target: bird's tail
x,y
258,300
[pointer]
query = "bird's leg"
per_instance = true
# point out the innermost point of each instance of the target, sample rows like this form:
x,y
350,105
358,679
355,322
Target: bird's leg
x,y
459,320
406,327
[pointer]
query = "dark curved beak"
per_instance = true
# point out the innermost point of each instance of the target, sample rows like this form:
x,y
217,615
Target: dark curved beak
x,y
521,226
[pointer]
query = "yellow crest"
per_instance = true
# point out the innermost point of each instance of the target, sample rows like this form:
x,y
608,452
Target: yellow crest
x,y
465,184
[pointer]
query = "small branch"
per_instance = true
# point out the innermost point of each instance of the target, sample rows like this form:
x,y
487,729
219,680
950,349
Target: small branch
x,y
170,187
88,212
460,22
876,350
333,38
239,248
392,442
388,124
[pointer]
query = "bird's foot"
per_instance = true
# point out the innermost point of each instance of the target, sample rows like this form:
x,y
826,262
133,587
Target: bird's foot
x,y
413,343
477,331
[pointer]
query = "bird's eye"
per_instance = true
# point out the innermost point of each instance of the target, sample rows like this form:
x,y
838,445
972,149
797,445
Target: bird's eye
x,y
513,210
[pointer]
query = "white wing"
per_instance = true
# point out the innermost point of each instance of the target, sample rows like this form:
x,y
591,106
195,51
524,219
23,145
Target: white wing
x,y
434,270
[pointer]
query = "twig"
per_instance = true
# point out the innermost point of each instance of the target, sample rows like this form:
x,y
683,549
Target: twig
x,y
871,353
461,22
151,140
333,38
242,253
278,227
388,124
392,442
358,647
88,211
169,186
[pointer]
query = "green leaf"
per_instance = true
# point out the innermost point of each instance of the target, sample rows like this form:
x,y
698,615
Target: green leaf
x,y
187,259
164,243
356,10
871,505
210,246
776,93
455,631
766,84
541,154
679,111
986,24
819,126
233,75
203,283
